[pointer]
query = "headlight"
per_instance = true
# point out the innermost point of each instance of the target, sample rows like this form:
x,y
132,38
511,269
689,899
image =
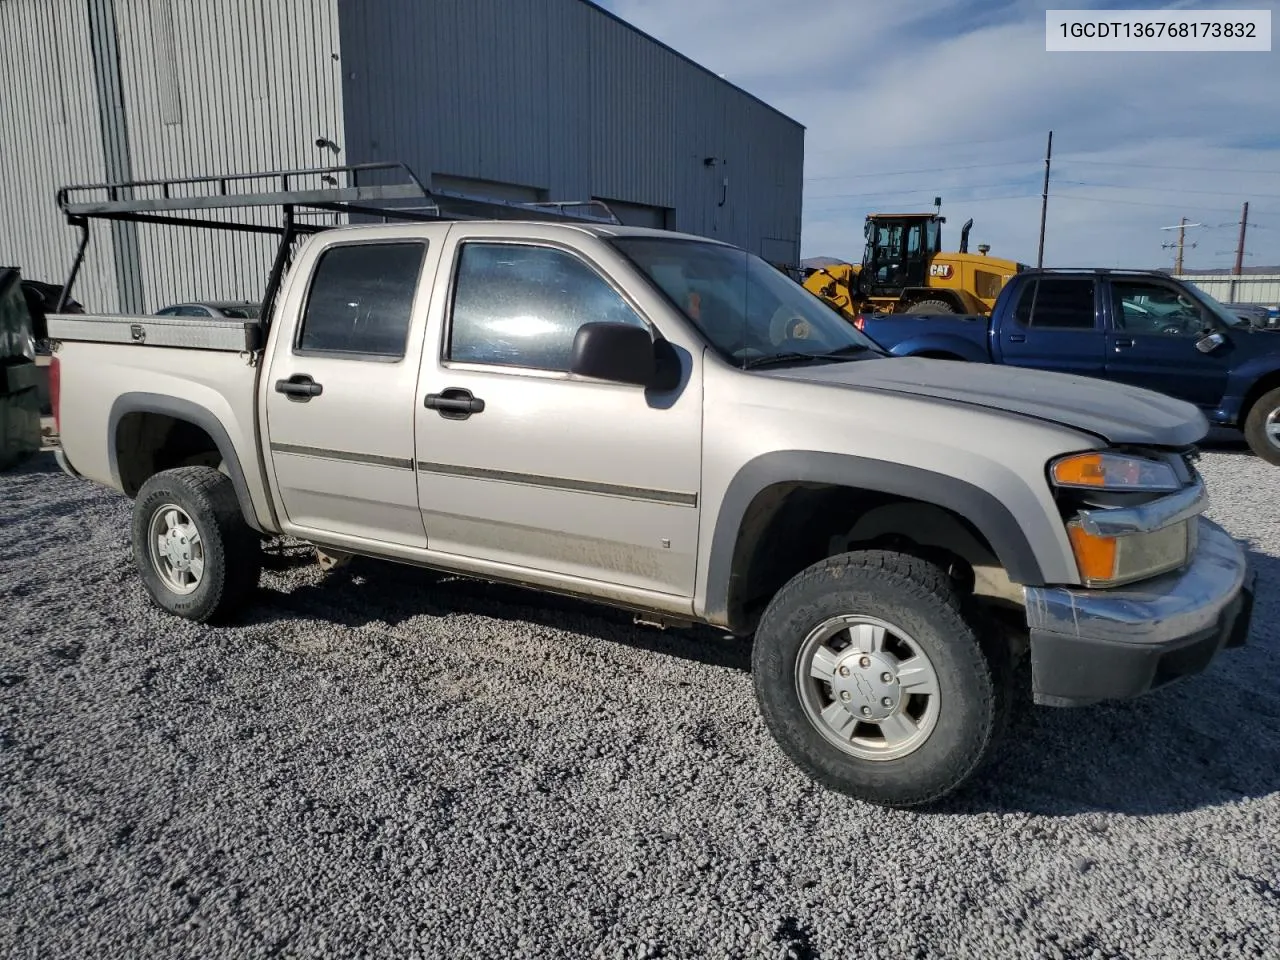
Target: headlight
x,y
1114,471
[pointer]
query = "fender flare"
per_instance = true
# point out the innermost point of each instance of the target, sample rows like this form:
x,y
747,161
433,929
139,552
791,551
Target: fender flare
x,y
194,414
987,514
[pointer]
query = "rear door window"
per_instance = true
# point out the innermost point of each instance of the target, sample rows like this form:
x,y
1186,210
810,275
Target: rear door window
x,y
361,301
1058,303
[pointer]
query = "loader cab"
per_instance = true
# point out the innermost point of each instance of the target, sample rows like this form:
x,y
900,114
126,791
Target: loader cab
x,y
898,250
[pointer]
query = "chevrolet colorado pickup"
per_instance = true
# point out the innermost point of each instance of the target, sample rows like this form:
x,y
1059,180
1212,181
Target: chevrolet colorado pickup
x,y
668,424
1136,327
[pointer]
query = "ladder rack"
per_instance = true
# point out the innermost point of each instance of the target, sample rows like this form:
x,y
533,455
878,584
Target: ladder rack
x,y
363,189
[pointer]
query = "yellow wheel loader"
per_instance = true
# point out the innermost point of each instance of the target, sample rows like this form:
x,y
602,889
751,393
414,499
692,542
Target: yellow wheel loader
x,y
904,270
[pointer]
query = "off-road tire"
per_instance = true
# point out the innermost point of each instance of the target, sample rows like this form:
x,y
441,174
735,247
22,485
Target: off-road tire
x,y
1255,427
232,551
972,664
931,307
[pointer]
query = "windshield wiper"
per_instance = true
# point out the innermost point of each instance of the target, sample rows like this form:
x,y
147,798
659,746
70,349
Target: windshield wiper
x,y
849,350
776,358
831,356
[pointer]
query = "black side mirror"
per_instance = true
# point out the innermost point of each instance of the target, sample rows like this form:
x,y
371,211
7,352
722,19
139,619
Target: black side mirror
x,y
620,352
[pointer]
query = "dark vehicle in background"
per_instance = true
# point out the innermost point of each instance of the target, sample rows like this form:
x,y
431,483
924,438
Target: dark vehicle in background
x,y
212,309
1142,328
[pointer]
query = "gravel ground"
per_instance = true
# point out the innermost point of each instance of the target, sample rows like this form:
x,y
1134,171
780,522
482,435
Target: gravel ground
x,y
385,766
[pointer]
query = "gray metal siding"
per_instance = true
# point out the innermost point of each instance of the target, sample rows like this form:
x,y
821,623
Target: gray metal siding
x,y
50,133
175,88
251,86
1247,288
559,96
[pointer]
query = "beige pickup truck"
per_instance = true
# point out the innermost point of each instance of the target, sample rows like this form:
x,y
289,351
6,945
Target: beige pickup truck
x,y
668,424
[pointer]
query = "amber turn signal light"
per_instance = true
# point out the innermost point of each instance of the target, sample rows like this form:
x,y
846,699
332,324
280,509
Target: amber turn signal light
x,y
1095,556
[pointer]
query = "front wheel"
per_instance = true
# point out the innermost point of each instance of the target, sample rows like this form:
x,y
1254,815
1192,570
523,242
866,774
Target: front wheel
x,y
874,682
1262,427
197,556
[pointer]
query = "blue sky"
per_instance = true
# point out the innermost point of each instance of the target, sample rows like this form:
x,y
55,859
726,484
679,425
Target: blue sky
x,y
963,95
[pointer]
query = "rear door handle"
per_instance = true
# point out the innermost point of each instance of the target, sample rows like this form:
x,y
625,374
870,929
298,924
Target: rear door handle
x,y
454,403
1017,338
299,388
1123,342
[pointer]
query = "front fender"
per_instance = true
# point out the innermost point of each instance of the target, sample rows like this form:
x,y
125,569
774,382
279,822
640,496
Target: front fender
x,y
1242,380
1010,536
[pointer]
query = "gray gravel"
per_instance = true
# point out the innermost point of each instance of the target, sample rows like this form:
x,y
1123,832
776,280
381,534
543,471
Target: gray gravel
x,y
381,765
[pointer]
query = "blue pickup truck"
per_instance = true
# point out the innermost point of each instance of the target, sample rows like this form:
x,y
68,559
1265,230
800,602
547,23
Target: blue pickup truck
x,y
1137,327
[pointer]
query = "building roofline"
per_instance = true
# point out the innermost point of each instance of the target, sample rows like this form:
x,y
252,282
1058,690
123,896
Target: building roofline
x,y
689,60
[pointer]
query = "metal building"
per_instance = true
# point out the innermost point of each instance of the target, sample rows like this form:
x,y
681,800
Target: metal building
x,y
1247,288
508,99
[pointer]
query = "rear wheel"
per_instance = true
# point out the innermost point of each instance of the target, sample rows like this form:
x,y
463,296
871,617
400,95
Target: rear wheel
x,y
931,307
875,683
196,555
1262,427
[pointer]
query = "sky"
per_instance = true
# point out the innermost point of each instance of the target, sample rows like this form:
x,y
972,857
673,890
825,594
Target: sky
x,y
907,101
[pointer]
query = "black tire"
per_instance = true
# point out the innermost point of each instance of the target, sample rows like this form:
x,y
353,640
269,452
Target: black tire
x,y
931,307
230,550
972,668
1255,426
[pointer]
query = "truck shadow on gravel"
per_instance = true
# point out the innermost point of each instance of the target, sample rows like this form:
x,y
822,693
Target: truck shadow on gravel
x,y
1205,741
371,591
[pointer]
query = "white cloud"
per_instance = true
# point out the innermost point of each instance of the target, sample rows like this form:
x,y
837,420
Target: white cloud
x,y
965,93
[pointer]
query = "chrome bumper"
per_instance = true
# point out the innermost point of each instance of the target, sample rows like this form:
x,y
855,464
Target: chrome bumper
x,y
1093,645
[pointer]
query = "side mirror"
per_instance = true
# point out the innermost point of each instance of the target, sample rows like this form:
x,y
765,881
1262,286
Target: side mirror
x,y
1210,342
619,352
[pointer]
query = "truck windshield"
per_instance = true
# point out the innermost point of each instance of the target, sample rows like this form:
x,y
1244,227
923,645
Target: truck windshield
x,y
1217,308
750,312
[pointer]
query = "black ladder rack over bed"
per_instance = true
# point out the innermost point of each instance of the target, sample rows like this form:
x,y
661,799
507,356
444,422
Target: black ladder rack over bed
x,y
360,189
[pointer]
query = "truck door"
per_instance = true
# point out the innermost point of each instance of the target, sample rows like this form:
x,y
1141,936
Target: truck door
x,y
338,391
1152,343
1055,324
522,465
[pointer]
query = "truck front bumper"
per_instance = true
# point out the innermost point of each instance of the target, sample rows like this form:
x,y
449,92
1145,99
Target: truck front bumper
x,y
1093,645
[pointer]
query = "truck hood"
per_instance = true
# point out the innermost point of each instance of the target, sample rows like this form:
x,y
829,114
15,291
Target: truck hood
x,y
1117,413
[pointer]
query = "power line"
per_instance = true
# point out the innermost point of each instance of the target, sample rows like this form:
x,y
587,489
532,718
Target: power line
x,y
1125,186
926,146
1159,166
1145,203
897,173
923,191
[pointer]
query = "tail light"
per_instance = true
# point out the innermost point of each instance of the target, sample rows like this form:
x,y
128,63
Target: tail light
x,y
55,392
860,322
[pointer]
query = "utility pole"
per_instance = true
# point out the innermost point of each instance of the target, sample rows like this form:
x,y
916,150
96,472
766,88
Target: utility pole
x,y
1244,222
1182,242
1044,198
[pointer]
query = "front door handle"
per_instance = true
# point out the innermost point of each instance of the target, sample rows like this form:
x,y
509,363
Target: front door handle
x,y
1017,338
300,388
454,403
1123,342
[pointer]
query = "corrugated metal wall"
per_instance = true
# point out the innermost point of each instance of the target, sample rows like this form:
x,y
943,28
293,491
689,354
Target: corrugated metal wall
x,y
555,95
559,96
191,88
50,134
224,86
1248,288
